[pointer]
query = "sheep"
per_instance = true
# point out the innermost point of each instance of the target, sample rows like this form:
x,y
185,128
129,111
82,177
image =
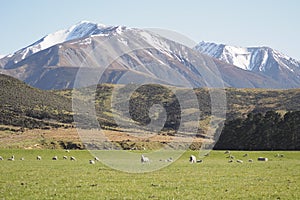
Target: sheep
x,y
96,159
230,156
1,158
55,158
144,159
230,161
65,157
193,159
199,161
12,158
92,162
72,158
170,159
262,159
279,155
245,155
22,158
239,161
39,158
227,152
250,160
67,150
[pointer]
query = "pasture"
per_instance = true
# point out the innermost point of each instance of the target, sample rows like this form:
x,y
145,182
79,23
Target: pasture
x,y
214,178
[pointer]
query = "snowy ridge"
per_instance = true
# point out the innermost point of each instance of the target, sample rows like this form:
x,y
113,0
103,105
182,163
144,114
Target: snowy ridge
x,y
1,56
259,59
77,31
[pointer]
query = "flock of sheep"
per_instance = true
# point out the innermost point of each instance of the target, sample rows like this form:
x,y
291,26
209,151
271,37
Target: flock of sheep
x,y
144,159
72,158
193,159
232,158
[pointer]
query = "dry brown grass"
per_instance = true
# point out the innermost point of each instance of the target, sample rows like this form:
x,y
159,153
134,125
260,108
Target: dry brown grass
x,y
42,139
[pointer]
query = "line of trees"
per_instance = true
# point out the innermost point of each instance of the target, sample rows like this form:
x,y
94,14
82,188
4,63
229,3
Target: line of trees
x,y
269,131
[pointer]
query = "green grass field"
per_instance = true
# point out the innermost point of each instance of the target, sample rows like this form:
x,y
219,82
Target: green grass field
x,y
215,178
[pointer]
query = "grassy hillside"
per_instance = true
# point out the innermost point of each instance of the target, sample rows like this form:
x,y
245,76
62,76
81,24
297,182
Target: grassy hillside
x,y
23,107
240,102
27,107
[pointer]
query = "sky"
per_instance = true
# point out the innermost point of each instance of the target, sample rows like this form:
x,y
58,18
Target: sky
x,y
273,23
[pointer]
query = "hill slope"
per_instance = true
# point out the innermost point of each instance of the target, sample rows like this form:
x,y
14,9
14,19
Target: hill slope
x,y
20,100
24,106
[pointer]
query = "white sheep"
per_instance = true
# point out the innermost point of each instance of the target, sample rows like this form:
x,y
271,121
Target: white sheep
x,y
144,159
12,158
39,158
22,158
239,161
230,161
72,158
193,159
65,157
250,160
227,152
245,155
92,162
96,159
55,158
1,158
262,159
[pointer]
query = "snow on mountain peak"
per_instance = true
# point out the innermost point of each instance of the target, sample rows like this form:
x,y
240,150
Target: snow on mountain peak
x,y
247,58
77,31
237,56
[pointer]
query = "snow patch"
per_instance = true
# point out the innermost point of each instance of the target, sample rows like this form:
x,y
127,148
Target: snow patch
x,y
80,30
156,43
247,58
124,41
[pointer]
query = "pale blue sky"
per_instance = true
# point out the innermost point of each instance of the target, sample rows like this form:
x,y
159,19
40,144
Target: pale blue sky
x,y
273,23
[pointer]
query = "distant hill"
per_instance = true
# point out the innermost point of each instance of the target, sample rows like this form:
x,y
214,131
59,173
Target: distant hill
x,y
25,106
20,100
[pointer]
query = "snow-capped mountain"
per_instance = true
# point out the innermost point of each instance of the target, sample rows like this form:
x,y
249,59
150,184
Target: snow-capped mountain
x,y
53,61
262,60
2,56
79,30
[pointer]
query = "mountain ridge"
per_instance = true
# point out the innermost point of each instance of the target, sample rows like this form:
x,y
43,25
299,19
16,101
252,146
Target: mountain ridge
x,y
77,31
261,60
55,67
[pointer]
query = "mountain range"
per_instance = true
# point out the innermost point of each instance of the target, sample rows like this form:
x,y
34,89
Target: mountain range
x,y
130,55
261,60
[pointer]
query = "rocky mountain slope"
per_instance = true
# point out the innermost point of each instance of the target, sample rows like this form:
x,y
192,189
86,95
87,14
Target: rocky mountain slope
x,y
118,54
260,60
